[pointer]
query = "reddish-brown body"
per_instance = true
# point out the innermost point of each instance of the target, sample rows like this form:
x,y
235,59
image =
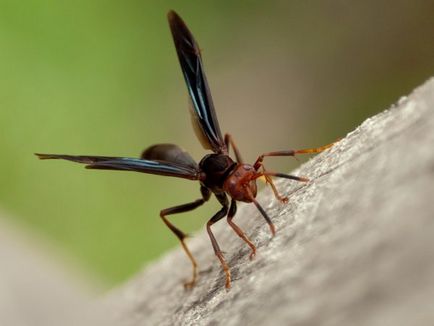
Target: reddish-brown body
x,y
241,183
217,173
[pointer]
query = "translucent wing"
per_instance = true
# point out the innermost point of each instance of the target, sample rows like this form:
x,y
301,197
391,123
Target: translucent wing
x,y
203,114
130,164
75,158
169,153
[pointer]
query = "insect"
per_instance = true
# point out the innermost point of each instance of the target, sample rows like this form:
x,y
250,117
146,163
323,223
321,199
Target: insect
x,y
217,172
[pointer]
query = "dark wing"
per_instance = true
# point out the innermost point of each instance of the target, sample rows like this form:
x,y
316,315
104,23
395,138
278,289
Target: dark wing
x,y
169,153
203,113
130,164
75,158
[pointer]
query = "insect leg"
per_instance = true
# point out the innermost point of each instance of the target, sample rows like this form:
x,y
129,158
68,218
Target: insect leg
x,y
268,174
262,211
280,198
230,141
285,176
181,235
290,152
218,216
237,229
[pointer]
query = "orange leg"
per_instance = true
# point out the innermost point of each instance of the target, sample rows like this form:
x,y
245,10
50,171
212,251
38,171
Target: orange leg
x,y
237,229
181,235
280,198
290,152
268,174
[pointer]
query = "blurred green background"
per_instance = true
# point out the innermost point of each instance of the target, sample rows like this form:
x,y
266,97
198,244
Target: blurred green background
x,y
102,78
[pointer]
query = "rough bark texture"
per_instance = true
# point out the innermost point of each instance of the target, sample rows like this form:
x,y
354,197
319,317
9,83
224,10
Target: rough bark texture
x,y
354,246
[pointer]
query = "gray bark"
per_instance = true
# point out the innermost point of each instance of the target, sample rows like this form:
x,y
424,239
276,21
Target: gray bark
x,y
354,246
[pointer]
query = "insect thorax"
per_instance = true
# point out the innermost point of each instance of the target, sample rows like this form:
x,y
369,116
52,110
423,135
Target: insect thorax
x,y
216,168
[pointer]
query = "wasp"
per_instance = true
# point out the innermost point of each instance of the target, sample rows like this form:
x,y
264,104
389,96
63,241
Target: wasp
x,y
229,180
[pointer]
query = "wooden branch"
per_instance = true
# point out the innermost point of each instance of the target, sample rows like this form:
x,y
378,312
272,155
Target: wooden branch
x,y
355,246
